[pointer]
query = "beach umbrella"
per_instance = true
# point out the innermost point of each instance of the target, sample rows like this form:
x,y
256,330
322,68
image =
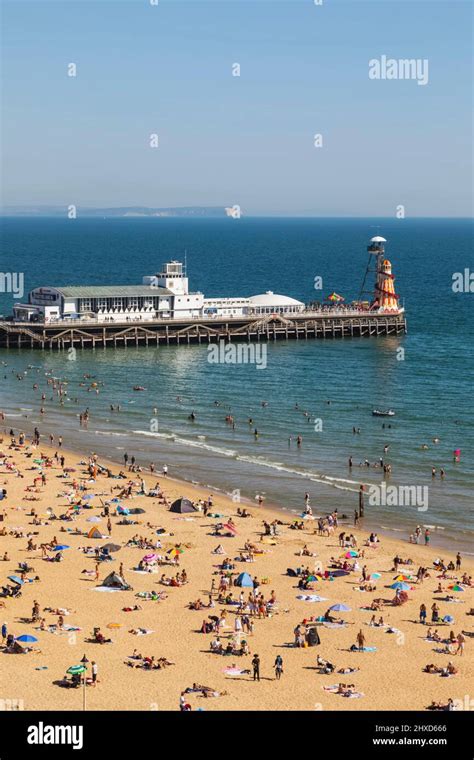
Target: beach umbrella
x,y
334,297
230,527
403,578
76,669
339,573
123,511
399,586
375,576
175,551
16,579
112,547
149,557
350,554
60,548
448,619
312,578
340,608
26,639
456,587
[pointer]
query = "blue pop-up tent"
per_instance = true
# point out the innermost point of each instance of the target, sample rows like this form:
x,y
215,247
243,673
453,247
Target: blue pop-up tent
x,y
244,580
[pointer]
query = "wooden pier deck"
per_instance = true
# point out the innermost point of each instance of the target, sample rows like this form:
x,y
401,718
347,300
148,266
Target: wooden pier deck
x,y
302,326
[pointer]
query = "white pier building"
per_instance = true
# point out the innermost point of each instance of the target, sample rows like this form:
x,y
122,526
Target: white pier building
x,y
160,296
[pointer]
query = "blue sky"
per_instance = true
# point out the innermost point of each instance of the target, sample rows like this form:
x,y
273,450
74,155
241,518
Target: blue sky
x,y
245,140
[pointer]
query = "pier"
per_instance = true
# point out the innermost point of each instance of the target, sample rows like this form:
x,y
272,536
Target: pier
x,y
305,325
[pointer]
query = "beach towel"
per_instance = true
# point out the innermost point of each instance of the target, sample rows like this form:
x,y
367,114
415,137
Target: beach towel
x,y
335,689
366,649
143,632
235,671
335,625
311,598
106,589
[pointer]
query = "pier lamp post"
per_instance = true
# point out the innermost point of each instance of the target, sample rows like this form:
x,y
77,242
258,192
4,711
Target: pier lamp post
x,y
85,662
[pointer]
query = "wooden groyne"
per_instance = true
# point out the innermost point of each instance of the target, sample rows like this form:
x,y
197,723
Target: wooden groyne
x,y
304,326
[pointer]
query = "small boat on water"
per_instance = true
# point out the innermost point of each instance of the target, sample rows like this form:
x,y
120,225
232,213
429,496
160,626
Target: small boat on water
x,y
139,388
383,413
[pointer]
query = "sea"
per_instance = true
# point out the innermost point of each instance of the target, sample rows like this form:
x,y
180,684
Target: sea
x,y
317,389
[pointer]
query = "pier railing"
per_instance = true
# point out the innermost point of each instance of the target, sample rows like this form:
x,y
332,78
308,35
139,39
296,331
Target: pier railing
x,y
337,323
121,320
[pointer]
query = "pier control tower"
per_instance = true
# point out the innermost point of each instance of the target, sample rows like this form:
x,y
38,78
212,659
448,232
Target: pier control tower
x,y
172,277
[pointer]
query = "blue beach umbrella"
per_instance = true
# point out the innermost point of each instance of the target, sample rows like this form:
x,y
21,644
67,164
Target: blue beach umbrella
x,y
340,608
16,579
60,548
400,586
26,639
448,619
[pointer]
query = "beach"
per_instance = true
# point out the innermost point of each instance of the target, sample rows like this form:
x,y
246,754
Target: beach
x,y
390,677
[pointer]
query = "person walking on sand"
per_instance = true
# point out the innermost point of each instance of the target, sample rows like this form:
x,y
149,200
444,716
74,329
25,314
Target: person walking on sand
x,y
96,577
278,666
109,526
360,641
461,641
256,667
95,670
423,614
458,561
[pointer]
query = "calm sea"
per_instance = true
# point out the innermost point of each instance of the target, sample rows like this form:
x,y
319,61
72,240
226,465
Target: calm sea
x,y
430,388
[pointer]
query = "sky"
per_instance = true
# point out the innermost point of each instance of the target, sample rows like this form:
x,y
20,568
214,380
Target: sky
x,y
248,140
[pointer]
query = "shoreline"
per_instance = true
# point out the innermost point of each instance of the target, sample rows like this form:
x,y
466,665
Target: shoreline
x,y
190,489
368,523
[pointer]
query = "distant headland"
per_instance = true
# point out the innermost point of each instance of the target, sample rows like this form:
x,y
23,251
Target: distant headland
x,y
121,211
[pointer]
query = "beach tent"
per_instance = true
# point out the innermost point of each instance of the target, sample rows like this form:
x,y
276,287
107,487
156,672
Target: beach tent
x,y
94,533
291,572
114,580
182,506
244,580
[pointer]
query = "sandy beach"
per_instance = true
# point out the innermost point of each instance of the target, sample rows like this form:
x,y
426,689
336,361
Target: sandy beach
x,y
390,677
